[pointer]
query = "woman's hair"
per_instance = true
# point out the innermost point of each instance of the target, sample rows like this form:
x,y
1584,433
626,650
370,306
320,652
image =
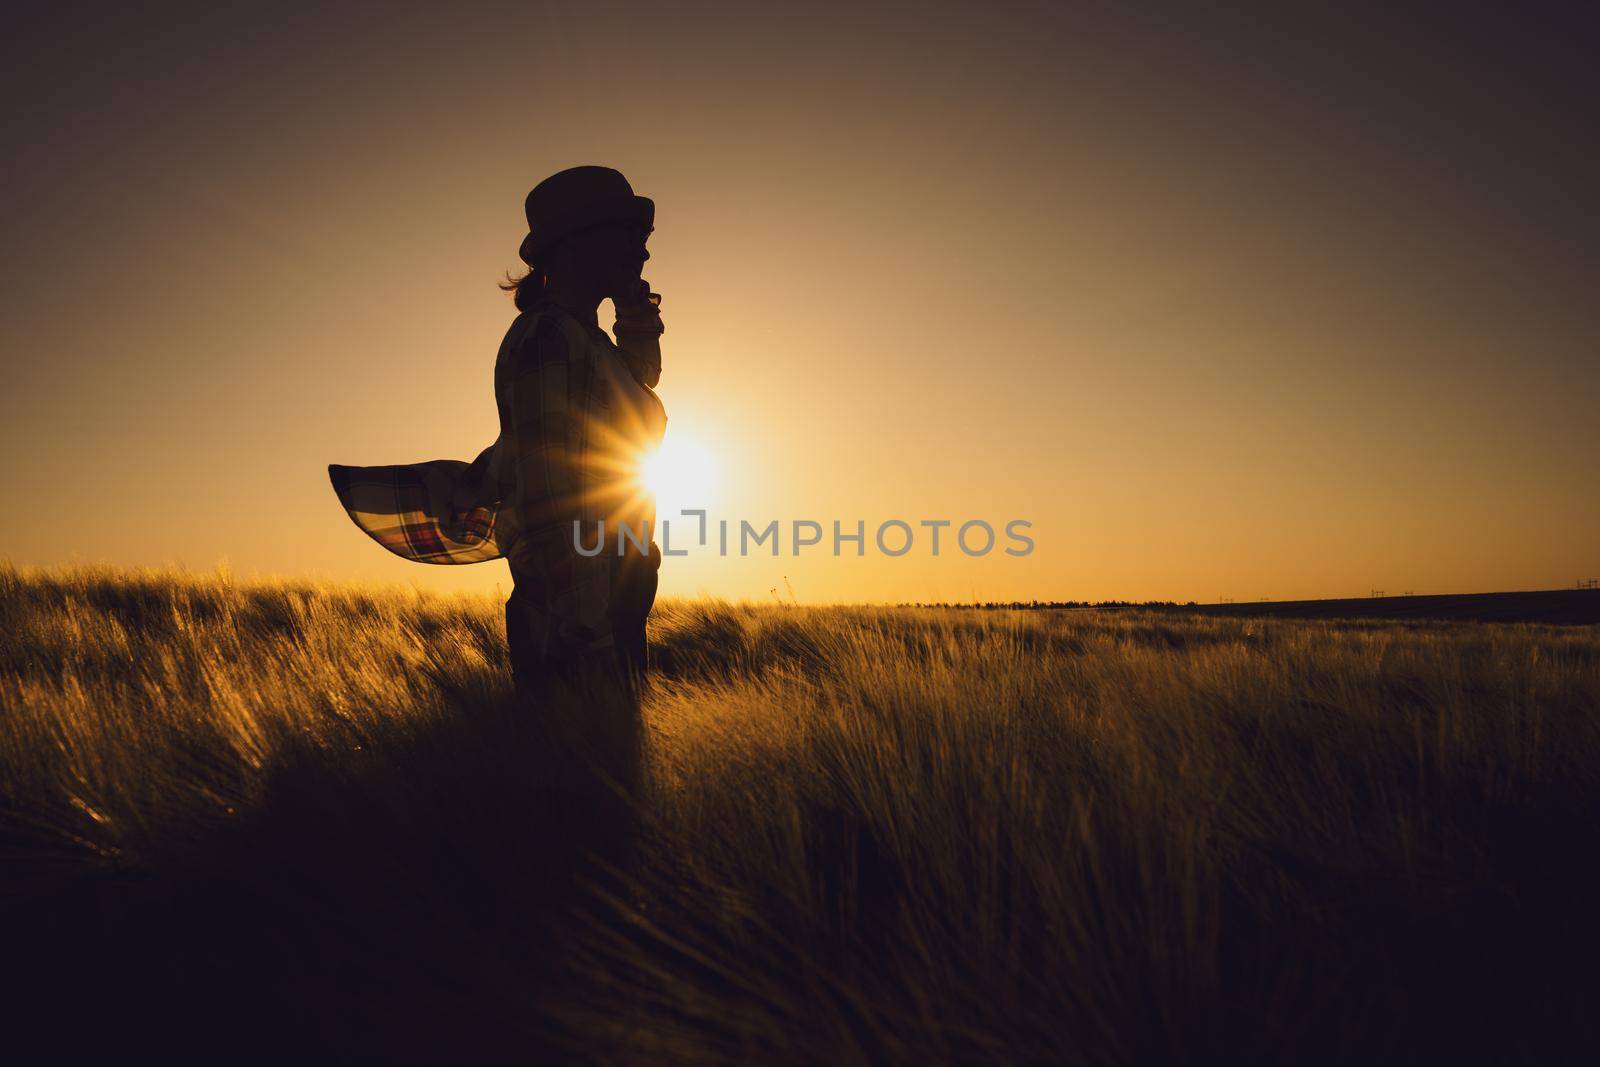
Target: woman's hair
x,y
527,289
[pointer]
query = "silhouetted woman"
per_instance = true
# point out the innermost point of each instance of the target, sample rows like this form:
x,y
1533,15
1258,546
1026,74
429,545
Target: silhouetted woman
x,y
577,413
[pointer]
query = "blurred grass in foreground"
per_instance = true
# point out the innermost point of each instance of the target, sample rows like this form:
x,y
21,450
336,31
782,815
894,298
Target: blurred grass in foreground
x,y
289,816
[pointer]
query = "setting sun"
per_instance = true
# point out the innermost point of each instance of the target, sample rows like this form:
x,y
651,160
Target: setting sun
x,y
680,474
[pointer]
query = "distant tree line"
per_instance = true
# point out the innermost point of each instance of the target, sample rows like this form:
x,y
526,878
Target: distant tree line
x,y
1038,605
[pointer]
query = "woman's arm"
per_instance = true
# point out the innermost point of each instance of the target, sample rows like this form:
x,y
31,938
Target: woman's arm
x,y
638,330
553,390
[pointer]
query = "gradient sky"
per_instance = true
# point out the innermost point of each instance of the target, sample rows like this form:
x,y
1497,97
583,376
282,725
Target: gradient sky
x,y
1225,305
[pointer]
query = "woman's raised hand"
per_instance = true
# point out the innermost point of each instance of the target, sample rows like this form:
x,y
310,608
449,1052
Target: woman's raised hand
x,y
638,312
636,293
638,330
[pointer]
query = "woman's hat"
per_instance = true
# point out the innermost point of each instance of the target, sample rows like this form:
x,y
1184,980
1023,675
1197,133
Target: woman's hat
x,y
575,199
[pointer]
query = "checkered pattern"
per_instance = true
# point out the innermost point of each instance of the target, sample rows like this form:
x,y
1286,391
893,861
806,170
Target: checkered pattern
x,y
409,509
575,411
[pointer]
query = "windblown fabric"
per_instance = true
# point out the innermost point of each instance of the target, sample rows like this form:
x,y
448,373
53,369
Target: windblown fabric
x,y
432,512
555,387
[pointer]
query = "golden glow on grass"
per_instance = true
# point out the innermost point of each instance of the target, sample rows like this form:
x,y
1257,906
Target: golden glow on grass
x,y
1147,777
681,475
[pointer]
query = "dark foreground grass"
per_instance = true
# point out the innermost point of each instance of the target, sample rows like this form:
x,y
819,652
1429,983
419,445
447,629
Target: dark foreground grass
x,y
289,821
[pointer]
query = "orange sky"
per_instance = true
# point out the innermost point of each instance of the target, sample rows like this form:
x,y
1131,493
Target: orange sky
x,y
1236,309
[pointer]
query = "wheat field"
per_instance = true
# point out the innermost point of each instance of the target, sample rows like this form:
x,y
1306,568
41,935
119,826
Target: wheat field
x,y
276,819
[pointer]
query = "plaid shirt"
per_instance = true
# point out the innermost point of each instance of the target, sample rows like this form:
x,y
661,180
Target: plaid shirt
x,y
575,413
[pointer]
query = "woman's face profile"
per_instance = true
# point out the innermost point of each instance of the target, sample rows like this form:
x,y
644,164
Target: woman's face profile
x,y
610,256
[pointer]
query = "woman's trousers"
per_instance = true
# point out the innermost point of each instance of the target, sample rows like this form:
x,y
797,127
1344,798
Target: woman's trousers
x,y
587,712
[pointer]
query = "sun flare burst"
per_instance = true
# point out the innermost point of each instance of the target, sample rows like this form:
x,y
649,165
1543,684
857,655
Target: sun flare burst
x,y
680,474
